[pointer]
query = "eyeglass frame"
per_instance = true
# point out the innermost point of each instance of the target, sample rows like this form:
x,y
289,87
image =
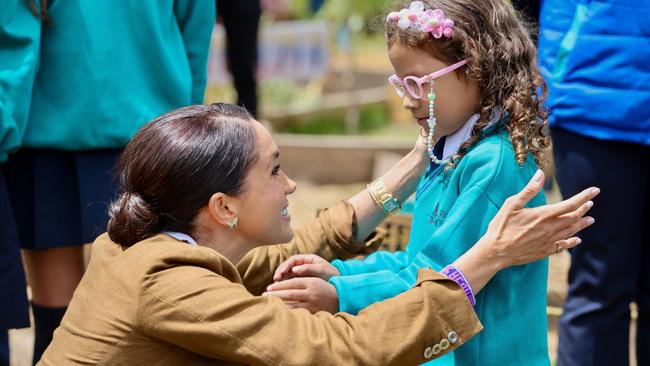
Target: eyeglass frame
x,y
419,81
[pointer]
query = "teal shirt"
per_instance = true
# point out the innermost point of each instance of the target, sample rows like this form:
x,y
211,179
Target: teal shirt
x,y
451,213
100,71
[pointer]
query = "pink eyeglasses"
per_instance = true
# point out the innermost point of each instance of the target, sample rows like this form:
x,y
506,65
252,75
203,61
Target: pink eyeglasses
x,y
413,85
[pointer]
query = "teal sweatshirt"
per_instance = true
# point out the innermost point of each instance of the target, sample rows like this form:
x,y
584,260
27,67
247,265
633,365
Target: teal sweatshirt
x,y
99,71
451,213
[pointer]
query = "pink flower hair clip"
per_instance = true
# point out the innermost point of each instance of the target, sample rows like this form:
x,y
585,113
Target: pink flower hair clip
x,y
420,20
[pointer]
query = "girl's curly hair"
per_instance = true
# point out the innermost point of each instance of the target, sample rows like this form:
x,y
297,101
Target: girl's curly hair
x,y
501,58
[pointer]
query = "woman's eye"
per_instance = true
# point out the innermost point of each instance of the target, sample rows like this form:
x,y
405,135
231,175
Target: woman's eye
x,y
276,170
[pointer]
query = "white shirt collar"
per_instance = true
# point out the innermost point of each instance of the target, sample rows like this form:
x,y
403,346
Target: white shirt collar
x,y
453,141
182,237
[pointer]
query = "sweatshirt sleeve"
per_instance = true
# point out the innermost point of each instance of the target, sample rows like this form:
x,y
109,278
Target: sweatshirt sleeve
x,y
393,261
357,291
211,316
196,22
331,235
20,33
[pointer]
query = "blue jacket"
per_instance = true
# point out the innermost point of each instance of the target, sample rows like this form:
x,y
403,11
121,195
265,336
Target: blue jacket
x,y
100,71
595,56
451,213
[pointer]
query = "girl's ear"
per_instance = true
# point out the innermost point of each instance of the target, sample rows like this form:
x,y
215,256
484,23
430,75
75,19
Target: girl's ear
x,y
222,208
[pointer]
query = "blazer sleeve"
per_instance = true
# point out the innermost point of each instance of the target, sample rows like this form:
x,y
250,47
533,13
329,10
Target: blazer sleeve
x,y
20,35
196,22
331,235
209,315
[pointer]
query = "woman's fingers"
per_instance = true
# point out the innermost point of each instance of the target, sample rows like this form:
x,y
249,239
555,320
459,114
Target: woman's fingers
x,y
321,270
571,218
288,295
575,228
570,204
531,189
297,283
568,243
284,270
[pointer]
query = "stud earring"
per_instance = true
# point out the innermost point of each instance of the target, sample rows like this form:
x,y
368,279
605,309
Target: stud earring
x,y
233,223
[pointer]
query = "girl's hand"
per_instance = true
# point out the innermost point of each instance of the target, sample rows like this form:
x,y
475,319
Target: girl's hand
x,y
305,265
420,146
313,294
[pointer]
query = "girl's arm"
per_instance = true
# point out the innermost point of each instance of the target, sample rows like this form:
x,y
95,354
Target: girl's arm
x,y
401,181
515,236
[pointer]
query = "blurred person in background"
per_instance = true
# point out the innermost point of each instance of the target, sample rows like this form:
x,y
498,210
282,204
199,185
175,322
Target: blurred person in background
x,y
241,20
594,56
78,80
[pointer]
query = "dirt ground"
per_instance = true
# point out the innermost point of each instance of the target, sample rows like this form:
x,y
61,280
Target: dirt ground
x,y
303,205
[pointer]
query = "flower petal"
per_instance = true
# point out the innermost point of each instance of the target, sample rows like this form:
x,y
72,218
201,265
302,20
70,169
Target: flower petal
x,y
416,6
404,23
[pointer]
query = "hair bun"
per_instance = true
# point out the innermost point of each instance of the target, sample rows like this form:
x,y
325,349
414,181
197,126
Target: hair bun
x,y
132,219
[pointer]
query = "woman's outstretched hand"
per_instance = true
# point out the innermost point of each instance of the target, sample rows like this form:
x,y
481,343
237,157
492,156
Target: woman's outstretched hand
x,y
305,265
522,235
519,235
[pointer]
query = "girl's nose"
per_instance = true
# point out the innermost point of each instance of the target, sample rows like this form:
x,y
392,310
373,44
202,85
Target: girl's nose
x,y
410,103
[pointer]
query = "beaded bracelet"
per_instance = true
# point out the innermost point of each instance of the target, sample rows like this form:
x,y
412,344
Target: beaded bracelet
x,y
457,276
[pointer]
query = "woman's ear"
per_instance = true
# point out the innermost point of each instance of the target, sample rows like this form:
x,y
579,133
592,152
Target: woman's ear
x,y
222,208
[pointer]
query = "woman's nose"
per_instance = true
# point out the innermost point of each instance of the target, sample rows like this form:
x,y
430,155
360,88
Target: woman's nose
x,y
290,185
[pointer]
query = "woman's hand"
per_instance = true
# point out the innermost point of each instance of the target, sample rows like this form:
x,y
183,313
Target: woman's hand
x,y
313,294
305,265
519,235
522,235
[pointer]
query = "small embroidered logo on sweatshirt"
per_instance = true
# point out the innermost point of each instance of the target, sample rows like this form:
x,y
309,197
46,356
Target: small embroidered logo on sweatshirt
x,y
437,217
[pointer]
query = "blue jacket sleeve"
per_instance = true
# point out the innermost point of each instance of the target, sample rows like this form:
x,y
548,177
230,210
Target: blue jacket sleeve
x,y
196,21
20,33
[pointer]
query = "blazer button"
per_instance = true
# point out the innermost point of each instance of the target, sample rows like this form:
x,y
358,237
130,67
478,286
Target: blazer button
x,y
428,352
444,344
453,337
436,349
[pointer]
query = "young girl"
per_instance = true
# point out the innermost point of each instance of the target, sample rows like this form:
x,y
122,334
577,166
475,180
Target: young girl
x,y
466,72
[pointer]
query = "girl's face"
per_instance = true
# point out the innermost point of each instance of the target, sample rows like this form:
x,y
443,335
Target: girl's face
x,y
456,99
262,206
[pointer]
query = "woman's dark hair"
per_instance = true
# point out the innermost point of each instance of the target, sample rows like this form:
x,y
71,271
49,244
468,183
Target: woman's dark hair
x,y
174,164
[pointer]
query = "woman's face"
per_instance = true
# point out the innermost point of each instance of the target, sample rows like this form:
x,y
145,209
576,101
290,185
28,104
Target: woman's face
x,y
262,215
456,99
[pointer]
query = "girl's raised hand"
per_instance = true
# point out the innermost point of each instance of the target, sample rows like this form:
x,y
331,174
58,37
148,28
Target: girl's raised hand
x,y
305,265
313,294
